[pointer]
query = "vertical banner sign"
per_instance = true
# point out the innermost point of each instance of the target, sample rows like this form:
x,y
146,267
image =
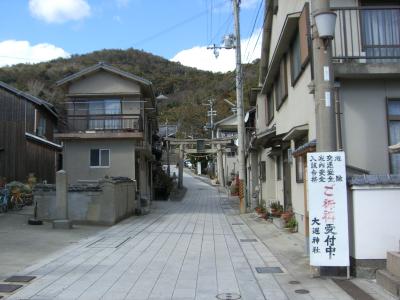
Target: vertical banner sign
x,y
327,196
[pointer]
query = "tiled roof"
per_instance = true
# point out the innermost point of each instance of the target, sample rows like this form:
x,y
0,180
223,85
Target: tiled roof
x,y
389,179
48,106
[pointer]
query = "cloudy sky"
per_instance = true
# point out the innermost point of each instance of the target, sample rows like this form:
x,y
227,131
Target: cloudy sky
x,y
180,30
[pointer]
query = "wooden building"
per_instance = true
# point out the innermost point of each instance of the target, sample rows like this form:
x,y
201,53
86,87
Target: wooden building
x,y
27,124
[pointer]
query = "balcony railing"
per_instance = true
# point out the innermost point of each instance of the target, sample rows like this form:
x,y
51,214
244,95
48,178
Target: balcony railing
x,y
367,34
83,123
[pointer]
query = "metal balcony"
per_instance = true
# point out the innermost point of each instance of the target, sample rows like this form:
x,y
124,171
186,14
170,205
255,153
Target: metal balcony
x,y
367,35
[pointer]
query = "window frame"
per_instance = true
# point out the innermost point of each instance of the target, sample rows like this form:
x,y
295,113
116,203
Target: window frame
x,y
263,171
389,119
295,77
270,107
283,87
100,166
278,164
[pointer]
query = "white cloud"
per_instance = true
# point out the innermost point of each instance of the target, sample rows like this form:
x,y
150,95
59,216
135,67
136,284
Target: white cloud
x,y
202,58
59,11
14,52
122,3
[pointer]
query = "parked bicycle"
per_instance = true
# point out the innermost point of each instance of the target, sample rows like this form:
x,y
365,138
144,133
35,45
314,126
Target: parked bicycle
x,y
4,198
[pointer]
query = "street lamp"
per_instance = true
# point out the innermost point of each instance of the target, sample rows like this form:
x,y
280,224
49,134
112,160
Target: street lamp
x,y
325,22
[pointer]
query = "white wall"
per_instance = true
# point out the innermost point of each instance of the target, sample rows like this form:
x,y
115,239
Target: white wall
x,y
364,125
103,82
376,221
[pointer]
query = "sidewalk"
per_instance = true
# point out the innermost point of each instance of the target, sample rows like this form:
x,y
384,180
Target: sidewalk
x,y
196,248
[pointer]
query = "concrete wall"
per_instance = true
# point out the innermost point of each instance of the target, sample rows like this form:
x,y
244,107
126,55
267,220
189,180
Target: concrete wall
x,y
375,221
103,82
364,122
77,159
104,204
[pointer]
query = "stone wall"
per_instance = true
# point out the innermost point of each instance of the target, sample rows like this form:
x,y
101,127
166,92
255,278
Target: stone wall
x,y
103,203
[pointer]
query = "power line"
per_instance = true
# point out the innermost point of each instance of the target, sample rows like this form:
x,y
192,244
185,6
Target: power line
x,y
175,26
252,30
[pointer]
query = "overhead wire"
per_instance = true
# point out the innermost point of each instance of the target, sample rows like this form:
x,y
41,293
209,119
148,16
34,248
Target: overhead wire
x,y
175,26
252,30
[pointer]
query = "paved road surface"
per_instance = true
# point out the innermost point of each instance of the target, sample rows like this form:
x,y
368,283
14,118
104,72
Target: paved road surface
x,y
193,249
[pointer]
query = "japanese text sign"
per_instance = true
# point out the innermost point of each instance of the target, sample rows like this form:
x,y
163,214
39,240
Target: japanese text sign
x,y
327,198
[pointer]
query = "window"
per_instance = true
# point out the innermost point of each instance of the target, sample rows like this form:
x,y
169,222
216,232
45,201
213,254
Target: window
x,y
300,161
41,127
99,158
278,168
380,30
101,112
394,133
300,169
295,56
270,107
263,176
300,48
281,88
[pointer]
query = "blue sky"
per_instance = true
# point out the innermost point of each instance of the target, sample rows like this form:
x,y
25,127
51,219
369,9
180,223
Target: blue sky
x,y
179,30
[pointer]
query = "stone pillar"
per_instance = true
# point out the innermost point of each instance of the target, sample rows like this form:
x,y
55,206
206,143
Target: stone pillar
x,y
180,175
61,208
220,170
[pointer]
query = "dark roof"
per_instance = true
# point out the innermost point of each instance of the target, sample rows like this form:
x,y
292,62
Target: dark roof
x,y
303,148
389,179
40,102
109,68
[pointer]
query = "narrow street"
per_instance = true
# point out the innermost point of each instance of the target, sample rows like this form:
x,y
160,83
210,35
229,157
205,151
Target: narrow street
x,y
196,248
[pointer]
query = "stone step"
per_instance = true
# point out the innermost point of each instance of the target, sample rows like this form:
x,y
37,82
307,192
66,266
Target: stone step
x,y
393,263
388,281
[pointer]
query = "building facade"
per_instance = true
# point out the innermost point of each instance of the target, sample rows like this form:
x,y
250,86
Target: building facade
x,y
111,122
366,96
27,125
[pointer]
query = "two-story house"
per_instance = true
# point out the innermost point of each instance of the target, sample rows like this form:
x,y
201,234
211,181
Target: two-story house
x,y
366,68
111,121
26,136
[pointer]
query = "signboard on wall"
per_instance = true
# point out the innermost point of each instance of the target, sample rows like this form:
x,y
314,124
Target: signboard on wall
x,y
327,197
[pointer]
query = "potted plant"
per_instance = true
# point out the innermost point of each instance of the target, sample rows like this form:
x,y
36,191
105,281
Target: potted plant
x,y
291,225
276,208
287,214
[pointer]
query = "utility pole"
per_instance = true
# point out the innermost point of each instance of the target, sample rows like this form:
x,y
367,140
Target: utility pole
x,y
324,82
240,114
211,113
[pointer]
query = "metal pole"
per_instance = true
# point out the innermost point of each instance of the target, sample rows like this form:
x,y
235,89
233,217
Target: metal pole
x,y
324,96
240,114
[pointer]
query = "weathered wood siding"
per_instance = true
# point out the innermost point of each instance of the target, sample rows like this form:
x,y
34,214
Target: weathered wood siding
x,y
19,156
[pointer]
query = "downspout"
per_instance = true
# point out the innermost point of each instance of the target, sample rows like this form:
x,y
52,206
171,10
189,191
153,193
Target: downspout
x,y
266,41
338,114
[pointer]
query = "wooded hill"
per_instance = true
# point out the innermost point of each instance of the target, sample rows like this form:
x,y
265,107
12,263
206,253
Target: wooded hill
x,y
186,88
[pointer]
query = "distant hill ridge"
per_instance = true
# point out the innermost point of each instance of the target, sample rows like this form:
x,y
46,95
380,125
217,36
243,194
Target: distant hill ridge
x,y
185,87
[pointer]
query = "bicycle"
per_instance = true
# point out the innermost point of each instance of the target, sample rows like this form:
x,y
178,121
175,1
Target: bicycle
x,y
16,200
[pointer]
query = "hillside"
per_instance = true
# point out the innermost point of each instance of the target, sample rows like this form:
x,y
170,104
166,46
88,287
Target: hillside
x,y
185,87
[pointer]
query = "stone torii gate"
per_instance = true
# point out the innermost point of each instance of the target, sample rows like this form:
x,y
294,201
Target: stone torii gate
x,y
199,146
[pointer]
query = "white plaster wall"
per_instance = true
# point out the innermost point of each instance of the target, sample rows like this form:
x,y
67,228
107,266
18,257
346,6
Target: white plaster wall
x,y
298,108
77,159
376,221
364,125
285,7
103,82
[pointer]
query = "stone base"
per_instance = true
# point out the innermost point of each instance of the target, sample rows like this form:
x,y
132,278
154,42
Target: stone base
x,y
366,268
62,224
388,281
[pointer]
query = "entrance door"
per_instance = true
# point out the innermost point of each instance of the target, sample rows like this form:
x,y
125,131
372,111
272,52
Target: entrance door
x,y
287,189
